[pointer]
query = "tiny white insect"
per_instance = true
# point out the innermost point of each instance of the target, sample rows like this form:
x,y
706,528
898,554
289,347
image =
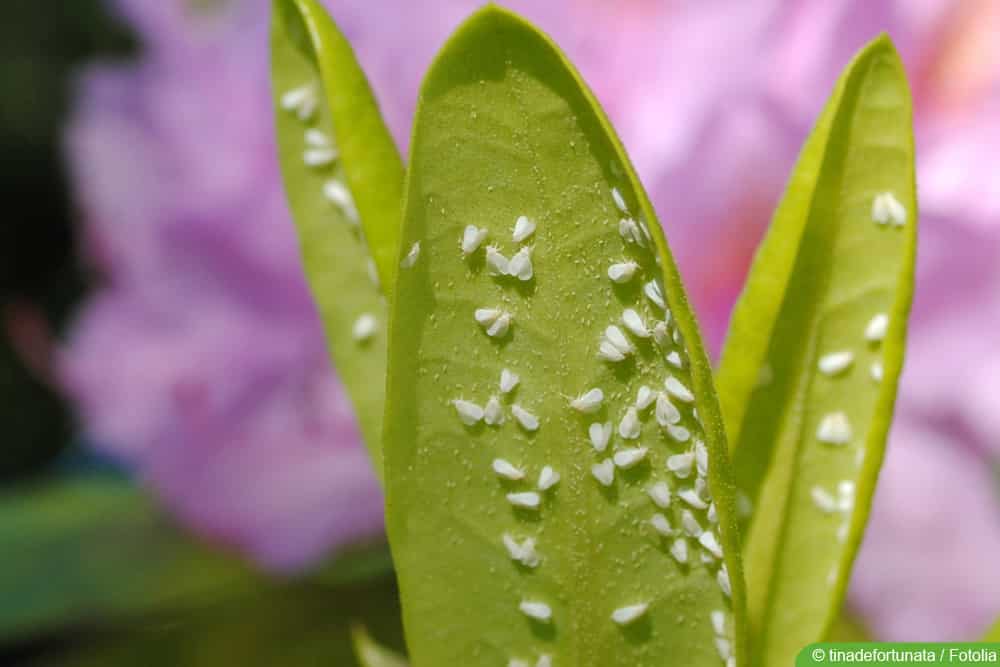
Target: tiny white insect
x,y
629,231
666,412
680,464
520,265
724,648
674,359
823,500
690,524
507,470
523,228
712,515
536,610
654,293
678,433
544,661
615,336
834,429
600,435
661,333
886,208
493,412
678,340
876,371
527,420
523,552
719,622
372,272
679,550
317,138
678,390
588,402
514,662
548,478
508,381
524,499
661,525
616,195
472,238
364,327
630,427
629,614
633,322
701,457
604,472
711,543
692,498
411,256
644,398
722,576
469,412
303,101
731,662
622,272
835,362
496,263
877,327
486,316
659,493
630,457
319,157
609,352
500,327
337,194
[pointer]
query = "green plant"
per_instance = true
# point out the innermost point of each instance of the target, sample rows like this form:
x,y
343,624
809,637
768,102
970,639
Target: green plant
x,y
554,447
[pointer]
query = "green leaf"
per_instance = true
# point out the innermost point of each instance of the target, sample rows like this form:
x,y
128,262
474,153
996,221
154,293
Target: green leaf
x,y
820,278
285,624
346,209
94,548
506,128
370,653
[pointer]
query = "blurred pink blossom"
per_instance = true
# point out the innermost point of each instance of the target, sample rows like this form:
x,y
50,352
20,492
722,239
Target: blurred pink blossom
x,y
201,360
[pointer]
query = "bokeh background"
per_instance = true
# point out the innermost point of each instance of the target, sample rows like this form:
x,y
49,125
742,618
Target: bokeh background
x,y
180,473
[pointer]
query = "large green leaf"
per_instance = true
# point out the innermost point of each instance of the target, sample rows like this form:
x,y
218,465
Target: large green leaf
x,y
290,625
92,549
824,277
505,128
343,179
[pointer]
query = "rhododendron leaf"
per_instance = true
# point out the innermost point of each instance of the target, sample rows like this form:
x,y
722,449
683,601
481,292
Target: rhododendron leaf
x,y
809,371
370,653
343,179
288,624
507,544
94,549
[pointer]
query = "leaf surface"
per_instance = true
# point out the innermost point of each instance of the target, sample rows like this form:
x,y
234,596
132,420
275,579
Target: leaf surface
x,y
343,179
93,549
505,128
805,356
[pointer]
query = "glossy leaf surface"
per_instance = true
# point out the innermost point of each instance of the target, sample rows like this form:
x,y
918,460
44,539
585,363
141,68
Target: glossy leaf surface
x,y
343,178
808,376
505,128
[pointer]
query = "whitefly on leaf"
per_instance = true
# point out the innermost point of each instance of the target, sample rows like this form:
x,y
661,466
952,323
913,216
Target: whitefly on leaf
x,y
809,371
560,536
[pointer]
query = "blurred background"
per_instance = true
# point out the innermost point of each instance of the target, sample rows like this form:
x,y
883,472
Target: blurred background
x,y
181,480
